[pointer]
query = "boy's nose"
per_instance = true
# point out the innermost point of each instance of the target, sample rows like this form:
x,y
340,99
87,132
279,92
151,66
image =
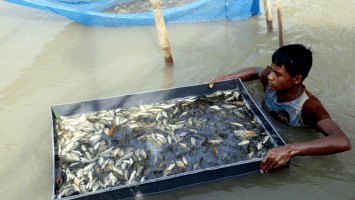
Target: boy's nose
x,y
270,77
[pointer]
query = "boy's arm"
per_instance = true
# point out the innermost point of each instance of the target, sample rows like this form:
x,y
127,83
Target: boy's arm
x,y
335,141
247,74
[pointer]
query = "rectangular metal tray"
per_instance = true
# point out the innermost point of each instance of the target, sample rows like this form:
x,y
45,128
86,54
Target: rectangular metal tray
x,y
173,182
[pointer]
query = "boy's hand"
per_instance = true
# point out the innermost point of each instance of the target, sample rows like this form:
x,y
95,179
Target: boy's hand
x,y
212,81
276,158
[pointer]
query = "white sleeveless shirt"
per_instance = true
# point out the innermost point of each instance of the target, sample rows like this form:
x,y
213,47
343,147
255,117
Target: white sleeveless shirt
x,y
287,111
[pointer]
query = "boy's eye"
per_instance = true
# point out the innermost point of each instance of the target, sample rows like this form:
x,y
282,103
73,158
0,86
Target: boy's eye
x,y
277,73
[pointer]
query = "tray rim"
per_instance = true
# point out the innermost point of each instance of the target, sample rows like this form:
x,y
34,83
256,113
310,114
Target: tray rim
x,y
252,106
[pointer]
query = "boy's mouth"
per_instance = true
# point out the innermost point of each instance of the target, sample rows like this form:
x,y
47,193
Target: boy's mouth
x,y
272,86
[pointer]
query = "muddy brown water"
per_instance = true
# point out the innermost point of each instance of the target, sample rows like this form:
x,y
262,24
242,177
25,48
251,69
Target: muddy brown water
x,y
46,59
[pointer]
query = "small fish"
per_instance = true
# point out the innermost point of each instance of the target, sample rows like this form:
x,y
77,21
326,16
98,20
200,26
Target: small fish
x,y
128,150
199,123
165,121
215,107
163,164
117,121
183,144
248,133
120,153
183,134
184,160
117,170
155,160
185,148
195,165
161,156
137,152
204,141
224,155
112,129
213,164
143,179
143,109
216,151
205,149
193,142
228,106
190,122
130,161
236,124
115,151
143,154
147,171
165,114
244,142
169,139
176,110
132,176
215,142
128,155
159,116
169,148
181,154
265,139
240,133
180,164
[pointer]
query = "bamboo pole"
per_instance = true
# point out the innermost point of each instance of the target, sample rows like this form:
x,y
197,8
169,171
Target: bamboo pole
x,y
280,22
268,15
163,35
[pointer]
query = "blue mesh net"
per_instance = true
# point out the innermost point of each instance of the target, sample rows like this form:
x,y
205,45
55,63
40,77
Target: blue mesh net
x,y
92,12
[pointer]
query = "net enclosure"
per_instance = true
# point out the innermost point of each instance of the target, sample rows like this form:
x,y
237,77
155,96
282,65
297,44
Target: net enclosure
x,y
139,12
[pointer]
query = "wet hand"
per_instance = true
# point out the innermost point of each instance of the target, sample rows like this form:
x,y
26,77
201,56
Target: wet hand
x,y
212,81
276,158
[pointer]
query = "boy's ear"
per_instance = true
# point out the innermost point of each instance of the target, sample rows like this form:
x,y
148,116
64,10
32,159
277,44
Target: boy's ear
x,y
297,79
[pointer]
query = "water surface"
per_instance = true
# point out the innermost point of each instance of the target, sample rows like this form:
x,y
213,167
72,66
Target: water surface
x,y
46,59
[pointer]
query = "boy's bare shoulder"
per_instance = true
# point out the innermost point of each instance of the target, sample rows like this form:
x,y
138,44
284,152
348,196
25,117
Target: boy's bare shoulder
x,y
313,111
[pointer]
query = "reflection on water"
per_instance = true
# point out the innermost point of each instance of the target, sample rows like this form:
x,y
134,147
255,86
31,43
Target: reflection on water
x,y
47,59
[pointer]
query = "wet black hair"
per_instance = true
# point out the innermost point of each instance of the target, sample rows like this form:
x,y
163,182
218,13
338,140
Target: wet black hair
x,y
296,58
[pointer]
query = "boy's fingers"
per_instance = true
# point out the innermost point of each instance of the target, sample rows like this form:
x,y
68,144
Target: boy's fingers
x,y
212,81
265,163
211,84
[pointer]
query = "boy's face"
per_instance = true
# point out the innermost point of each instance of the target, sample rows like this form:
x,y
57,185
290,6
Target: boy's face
x,y
280,79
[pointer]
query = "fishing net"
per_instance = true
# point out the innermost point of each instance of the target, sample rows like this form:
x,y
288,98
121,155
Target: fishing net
x,y
139,12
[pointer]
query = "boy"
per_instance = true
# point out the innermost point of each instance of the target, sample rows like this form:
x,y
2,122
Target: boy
x,y
287,98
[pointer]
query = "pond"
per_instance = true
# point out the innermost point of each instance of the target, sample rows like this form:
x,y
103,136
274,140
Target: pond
x,y
47,59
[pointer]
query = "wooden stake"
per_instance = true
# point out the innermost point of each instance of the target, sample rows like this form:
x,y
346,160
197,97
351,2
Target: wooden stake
x,y
163,35
280,22
268,15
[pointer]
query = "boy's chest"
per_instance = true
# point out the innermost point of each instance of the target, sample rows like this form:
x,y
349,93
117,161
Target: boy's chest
x,y
288,112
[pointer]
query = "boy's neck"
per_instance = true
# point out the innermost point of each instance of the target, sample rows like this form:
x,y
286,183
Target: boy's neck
x,y
290,94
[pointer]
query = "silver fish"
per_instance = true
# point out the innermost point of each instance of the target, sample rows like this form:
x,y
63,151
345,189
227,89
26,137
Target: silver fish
x,y
193,142
265,139
143,109
244,142
184,160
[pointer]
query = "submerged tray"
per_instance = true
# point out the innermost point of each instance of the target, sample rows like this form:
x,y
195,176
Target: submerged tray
x,y
172,182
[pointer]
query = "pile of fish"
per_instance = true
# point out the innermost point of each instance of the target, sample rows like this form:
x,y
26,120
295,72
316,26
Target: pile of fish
x,y
141,6
123,146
